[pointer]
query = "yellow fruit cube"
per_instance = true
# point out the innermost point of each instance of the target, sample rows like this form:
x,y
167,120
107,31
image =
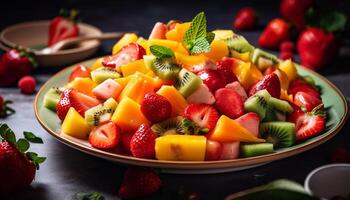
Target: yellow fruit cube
x,y
177,101
219,49
75,125
223,34
133,67
289,68
125,40
173,45
241,56
128,115
137,87
97,64
83,85
188,61
181,147
143,42
123,81
242,72
178,32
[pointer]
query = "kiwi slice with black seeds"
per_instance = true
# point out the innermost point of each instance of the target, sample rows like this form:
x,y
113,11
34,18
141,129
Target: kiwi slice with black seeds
x,y
187,83
165,68
103,73
170,126
263,59
280,105
239,43
258,103
280,134
52,98
101,113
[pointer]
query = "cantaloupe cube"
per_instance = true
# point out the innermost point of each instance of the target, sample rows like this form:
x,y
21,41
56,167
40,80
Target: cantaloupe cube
x,y
128,115
219,49
133,67
75,125
96,64
178,32
229,130
289,68
181,147
177,101
125,40
83,85
188,61
123,81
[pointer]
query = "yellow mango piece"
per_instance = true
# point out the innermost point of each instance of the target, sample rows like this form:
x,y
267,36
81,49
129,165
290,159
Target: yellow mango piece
x,y
125,40
136,88
284,80
181,147
97,64
173,45
83,85
123,81
242,72
241,56
178,32
133,67
177,101
289,68
128,115
223,34
286,96
143,42
188,61
229,130
219,49
75,125
255,74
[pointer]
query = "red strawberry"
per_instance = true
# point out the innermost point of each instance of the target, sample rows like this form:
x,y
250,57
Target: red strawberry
x,y
301,86
81,71
238,88
125,141
105,136
286,55
246,18
225,66
294,11
229,103
127,54
306,100
269,70
309,125
27,85
159,30
205,116
138,183
208,64
269,82
250,121
316,48
287,46
274,34
172,23
143,142
213,150
5,109
295,115
213,79
79,101
155,107
230,150
63,27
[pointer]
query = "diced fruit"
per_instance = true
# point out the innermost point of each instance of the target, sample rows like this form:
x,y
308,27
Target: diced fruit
x,y
178,32
207,65
271,83
159,30
75,125
306,101
105,136
205,116
155,107
189,60
229,103
213,150
247,74
237,87
103,73
128,115
225,66
123,81
250,121
97,64
229,130
223,34
250,150
246,18
172,23
181,147
201,95
83,85
230,150
173,45
101,113
301,86
107,89
142,143
219,49
51,98
81,72
245,57
213,79
166,69
125,139
171,126
263,59
258,103
309,125
239,44
133,67
125,40
188,83
280,134
280,105
177,101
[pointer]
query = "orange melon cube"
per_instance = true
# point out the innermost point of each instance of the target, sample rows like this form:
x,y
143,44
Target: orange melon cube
x,y
178,32
83,85
133,67
125,40
219,49
177,101
137,87
188,61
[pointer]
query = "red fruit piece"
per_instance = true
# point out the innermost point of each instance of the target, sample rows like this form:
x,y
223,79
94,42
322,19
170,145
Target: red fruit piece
x,y
80,71
105,136
301,86
309,125
274,34
155,107
143,142
238,88
125,141
63,27
250,121
127,54
213,79
285,56
246,18
230,150
294,11
306,100
213,150
159,30
287,46
269,82
138,183
229,103
27,85
225,66
269,70
204,115
316,48
295,115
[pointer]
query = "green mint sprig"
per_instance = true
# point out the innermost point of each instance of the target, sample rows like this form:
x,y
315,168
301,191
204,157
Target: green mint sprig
x,y
197,39
161,51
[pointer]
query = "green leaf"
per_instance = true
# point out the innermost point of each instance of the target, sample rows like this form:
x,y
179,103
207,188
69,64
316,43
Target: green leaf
x,y
35,158
22,145
32,138
197,29
161,51
89,196
201,45
7,134
333,22
210,37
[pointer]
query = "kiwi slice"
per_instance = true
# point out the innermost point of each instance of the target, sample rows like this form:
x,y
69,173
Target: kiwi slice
x,y
239,43
52,97
165,68
170,126
270,115
101,113
258,103
188,83
263,59
250,150
280,134
103,73
280,105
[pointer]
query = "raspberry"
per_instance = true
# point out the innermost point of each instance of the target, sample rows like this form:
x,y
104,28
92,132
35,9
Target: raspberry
x,y
27,85
286,55
287,46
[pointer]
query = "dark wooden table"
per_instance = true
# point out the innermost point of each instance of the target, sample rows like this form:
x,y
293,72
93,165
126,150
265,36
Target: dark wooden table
x,y
68,171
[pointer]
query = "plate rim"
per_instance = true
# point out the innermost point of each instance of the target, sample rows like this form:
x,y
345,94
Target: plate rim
x,y
192,165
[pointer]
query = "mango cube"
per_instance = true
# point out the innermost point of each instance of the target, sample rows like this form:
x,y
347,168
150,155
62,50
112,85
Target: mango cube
x,y
177,101
289,68
83,85
178,32
125,40
219,49
75,125
133,67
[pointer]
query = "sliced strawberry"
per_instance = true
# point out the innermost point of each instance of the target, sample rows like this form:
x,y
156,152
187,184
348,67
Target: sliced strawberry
x,y
225,66
63,104
230,150
155,107
301,86
105,136
250,121
229,103
213,79
269,70
159,30
80,71
295,115
205,116
127,54
63,27
306,100
125,141
269,82
238,88
143,142
213,150
309,125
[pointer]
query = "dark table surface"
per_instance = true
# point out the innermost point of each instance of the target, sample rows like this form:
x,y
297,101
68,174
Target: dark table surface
x,y
68,171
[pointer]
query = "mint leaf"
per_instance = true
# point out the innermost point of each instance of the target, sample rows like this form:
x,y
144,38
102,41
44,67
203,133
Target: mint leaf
x,y
89,196
35,158
161,51
210,37
197,29
201,45
333,21
7,134
22,145
32,138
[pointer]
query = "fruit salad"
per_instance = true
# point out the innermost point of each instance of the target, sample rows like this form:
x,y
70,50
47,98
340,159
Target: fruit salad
x,y
188,94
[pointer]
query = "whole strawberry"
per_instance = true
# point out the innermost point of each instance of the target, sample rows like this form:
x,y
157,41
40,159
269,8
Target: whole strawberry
x,y
276,32
18,167
246,18
138,183
294,11
155,107
5,109
143,142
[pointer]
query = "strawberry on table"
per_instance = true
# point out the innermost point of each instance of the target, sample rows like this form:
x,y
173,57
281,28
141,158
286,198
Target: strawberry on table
x,y
269,82
79,72
229,103
105,136
274,34
246,18
203,115
287,46
155,107
143,142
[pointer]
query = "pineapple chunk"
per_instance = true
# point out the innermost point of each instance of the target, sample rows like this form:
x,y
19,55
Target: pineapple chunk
x,y
83,85
75,125
178,32
289,68
125,40
177,101
137,87
136,66
223,34
181,147
97,64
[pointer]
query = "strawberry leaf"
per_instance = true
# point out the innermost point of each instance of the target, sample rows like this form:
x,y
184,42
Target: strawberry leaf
x,y
7,134
161,51
330,21
22,145
35,158
32,138
89,196
6,110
